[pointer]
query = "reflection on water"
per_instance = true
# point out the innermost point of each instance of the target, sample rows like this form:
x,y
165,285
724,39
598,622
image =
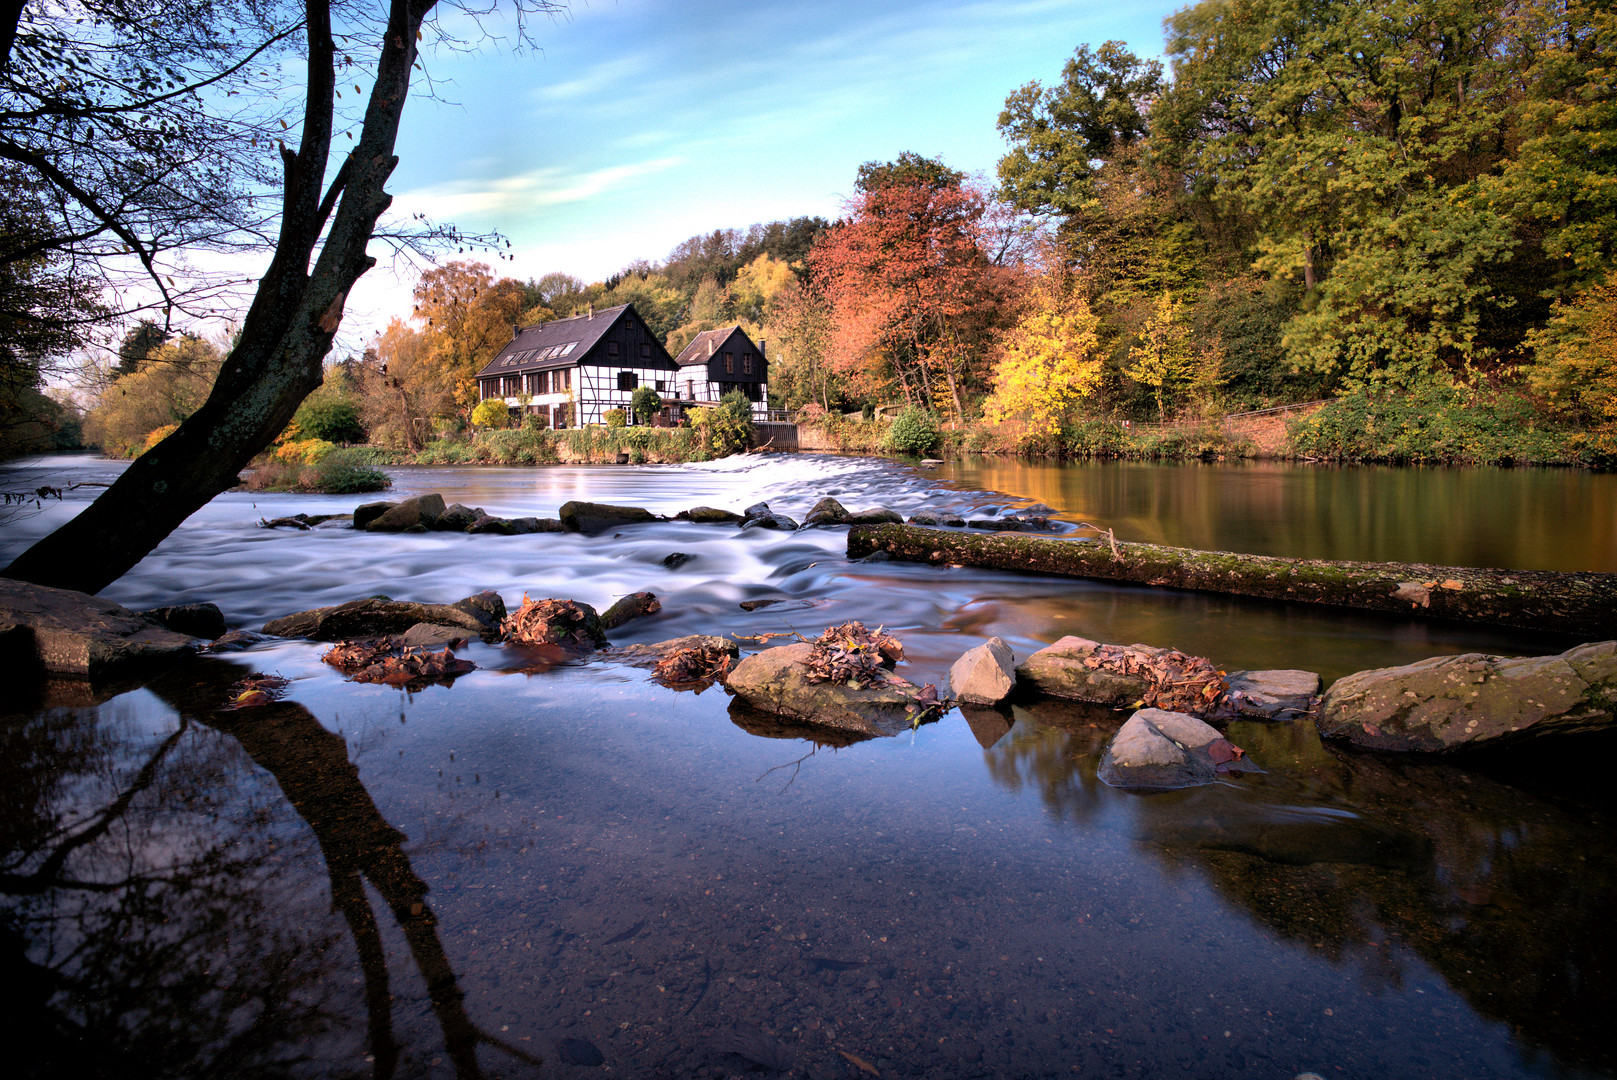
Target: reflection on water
x,y
568,862
576,863
1525,519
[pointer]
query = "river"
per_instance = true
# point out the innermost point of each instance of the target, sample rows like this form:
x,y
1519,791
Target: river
x,y
566,861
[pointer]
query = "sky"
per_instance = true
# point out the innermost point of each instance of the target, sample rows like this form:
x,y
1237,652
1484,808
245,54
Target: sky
x,y
636,124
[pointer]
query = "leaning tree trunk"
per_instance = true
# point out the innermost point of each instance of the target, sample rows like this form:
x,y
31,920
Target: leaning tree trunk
x,y
1571,603
284,338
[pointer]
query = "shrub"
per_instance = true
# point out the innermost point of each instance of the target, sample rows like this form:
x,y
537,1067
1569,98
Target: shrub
x,y
156,436
645,404
343,473
305,451
492,413
333,420
615,418
914,432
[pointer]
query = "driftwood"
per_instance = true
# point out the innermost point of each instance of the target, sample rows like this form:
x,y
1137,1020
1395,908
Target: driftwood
x,y
1572,603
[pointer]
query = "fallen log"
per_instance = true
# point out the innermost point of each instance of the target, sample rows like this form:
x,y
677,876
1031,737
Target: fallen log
x,y
1572,603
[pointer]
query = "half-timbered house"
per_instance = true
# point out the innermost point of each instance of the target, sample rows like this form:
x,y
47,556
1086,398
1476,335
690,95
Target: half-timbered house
x,y
719,361
569,372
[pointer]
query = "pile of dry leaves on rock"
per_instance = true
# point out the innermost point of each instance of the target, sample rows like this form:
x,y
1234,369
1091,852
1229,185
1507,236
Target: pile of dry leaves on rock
x,y
1175,681
554,622
852,655
255,690
381,661
698,665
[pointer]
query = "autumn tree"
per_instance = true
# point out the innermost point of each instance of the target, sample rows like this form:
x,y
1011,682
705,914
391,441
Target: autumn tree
x,y
166,387
467,316
402,390
1050,359
914,294
1162,358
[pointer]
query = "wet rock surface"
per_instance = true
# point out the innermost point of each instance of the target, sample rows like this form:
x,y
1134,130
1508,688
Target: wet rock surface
x,y
590,517
422,511
1472,700
985,675
1281,694
634,606
1156,749
73,633
1059,670
379,615
776,681
708,515
204,620
934,519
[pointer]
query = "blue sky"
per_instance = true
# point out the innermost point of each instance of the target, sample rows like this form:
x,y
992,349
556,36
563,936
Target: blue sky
x,y
639,123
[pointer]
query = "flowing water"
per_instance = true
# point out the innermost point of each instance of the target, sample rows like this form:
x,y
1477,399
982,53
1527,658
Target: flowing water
x,y
568,862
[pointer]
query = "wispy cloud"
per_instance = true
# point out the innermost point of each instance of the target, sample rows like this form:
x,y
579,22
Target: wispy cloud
x,y
495,197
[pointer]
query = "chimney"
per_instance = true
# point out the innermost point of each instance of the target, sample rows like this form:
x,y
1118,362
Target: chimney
x,y
590,312
762,345
710,346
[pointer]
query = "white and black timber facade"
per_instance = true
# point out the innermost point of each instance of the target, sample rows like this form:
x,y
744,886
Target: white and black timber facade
x,y
571,371
719,361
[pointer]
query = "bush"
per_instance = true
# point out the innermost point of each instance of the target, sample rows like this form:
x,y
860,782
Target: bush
x,y
330,419
914,432
615,418
492,413
344,473
305,451
1434,424
156,436
645,404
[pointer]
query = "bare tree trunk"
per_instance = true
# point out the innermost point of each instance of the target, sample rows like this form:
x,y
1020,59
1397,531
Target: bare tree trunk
x,y
1569,603
285,336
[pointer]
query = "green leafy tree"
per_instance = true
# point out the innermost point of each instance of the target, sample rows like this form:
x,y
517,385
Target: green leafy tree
x,y
645,404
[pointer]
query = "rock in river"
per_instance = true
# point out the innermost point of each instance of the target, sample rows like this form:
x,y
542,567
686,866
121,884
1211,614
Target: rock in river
x,y
775,681
1162,750
591,517
423,510
478,615
72,633
985,675
1450,702
1059,670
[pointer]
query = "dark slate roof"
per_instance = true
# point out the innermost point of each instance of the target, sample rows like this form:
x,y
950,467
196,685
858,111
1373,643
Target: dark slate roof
x,y
557,344
697,351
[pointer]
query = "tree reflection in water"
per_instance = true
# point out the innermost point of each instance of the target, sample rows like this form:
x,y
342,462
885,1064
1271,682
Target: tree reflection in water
x,y
1508,896
151,935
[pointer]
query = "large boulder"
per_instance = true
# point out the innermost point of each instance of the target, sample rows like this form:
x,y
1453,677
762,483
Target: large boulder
x,y
422,511
591,517
1059,670
1163,750
1281,694
775,681
827,511
73,633
365,513
204,621
457,518
378,615
1453,702
985,675
934,519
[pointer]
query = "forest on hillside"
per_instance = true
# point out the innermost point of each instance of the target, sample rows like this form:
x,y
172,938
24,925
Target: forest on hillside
x,y
1406,208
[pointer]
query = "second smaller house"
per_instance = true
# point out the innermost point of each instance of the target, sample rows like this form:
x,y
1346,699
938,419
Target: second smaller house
x,y
719,361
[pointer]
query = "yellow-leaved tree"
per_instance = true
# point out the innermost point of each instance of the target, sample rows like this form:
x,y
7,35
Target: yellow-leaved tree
x,y
1575,361
1163,358
1049,361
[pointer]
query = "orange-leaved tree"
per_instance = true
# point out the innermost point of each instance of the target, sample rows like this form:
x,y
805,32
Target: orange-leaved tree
x,y
915,284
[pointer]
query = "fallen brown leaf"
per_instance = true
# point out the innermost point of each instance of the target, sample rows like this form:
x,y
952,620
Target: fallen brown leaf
x,y
860,1063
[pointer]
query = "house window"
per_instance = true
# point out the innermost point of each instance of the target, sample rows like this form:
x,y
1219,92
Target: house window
x,y
627,380
729,363
661,386
645,349
611,348
746,363
561,381
690,389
